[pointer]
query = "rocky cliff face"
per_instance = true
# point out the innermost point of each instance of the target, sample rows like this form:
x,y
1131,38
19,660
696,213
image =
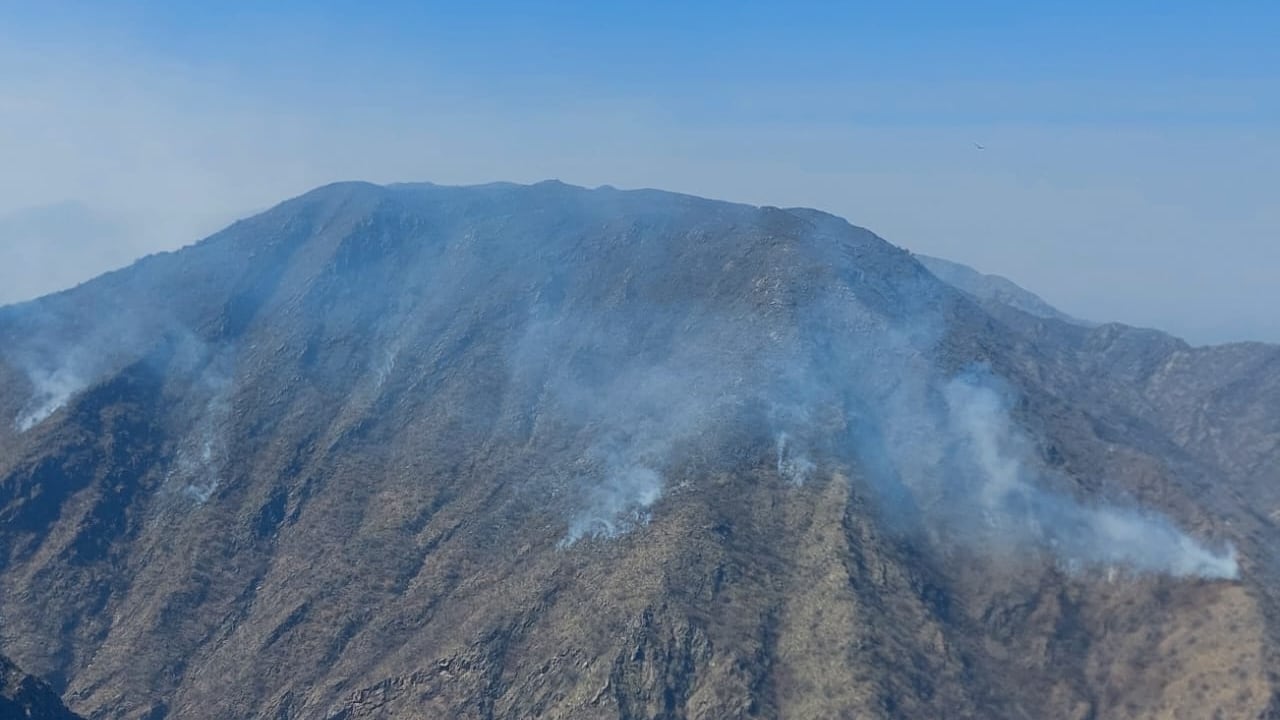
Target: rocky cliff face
x,y
516,451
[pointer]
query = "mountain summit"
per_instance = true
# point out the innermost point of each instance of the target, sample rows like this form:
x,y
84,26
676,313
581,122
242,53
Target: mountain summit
x,y
541,451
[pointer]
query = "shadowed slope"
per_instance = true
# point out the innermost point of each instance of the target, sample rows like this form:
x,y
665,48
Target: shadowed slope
x,y
25,697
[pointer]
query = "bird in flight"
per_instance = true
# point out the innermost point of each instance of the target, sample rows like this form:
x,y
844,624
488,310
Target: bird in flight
x,y
980,146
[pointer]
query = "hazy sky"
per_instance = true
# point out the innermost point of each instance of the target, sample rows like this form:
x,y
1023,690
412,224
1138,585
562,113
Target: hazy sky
x,y
1131,169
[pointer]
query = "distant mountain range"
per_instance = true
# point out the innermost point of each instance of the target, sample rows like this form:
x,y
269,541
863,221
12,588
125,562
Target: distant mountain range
x,y
511,451
993,291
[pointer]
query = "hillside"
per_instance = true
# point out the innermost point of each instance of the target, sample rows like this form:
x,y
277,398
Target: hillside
x,y
540,451
27,698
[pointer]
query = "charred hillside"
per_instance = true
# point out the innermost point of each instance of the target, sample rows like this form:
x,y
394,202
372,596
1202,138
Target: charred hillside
x,y
514,451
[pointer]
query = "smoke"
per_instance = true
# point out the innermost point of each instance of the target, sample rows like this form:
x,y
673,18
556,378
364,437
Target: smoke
x,y
203,454
618,503
1010,489
944,451
52,388
640,409
798,342
59,363
792,464
64,351
849,381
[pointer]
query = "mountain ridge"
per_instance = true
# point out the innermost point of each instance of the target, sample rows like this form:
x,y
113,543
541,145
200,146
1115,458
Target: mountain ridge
x,y
994,290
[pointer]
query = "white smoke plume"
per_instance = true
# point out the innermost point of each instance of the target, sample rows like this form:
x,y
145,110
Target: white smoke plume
x,y
641,419
951,445
792,464
639,411
52,388
864,391
814,353
619,501
1011,494
203,455
63,355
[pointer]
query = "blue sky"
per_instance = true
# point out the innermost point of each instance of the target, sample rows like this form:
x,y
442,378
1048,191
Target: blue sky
x,y
1132,149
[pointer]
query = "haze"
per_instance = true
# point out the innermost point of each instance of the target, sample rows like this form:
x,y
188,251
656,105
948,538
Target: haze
x,y
1130,166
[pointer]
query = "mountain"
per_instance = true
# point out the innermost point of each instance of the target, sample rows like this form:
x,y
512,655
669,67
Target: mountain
x,y
993,290
541,451
27,698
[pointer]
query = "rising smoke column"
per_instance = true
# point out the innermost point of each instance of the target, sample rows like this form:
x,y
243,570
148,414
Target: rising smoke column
x,y
829,348
1011,492
52,388
641,410
202,456
63,350
950,448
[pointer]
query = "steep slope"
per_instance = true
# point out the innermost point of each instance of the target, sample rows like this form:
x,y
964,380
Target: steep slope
x,y
516,451
23,697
